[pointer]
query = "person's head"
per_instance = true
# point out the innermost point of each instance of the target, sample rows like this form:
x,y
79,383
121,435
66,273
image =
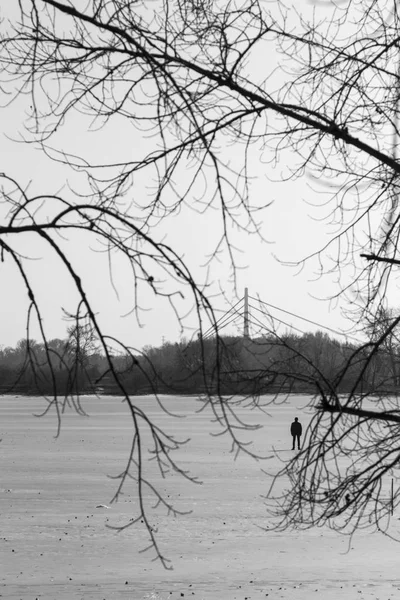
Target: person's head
x,y
296,419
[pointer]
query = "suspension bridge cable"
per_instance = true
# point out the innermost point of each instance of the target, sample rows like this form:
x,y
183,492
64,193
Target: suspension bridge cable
x,y
213,327
382,350
254,321
226,320
223,324
233,318
283,323
273,318
304,319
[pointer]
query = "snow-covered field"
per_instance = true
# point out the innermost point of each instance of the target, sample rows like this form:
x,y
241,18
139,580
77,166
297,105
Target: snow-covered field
x,y
55,544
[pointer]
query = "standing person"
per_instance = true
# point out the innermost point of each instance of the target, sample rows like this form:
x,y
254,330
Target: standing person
x,y
296,431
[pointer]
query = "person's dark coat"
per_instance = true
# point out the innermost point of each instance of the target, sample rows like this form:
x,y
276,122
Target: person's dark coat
x,y
295,428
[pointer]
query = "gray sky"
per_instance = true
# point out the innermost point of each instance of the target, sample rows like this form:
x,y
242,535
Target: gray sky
x,y
287,226
291,226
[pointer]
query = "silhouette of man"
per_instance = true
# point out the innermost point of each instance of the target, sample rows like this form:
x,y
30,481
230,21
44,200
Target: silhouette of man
x,y
296,431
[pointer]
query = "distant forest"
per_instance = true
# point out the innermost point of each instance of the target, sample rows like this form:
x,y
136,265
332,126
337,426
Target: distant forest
x,y
308,363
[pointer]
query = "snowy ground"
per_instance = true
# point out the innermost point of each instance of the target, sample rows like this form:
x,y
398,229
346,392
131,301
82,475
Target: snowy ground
x,y
54,544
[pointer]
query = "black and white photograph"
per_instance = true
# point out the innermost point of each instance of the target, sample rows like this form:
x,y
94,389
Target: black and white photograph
x,y
200,299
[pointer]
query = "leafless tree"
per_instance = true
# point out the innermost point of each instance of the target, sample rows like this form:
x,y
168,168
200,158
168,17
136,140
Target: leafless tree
x,y
324,102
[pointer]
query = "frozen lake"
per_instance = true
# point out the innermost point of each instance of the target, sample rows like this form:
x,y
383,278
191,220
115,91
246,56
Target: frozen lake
x,y
55,544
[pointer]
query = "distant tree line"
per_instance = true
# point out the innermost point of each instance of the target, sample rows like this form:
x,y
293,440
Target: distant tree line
x,y
307,363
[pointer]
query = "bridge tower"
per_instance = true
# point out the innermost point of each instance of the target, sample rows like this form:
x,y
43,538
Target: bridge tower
x,y
246,314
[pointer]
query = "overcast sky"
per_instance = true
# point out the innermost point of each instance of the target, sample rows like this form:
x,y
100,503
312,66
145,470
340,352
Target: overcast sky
x,y
288,226
293,227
